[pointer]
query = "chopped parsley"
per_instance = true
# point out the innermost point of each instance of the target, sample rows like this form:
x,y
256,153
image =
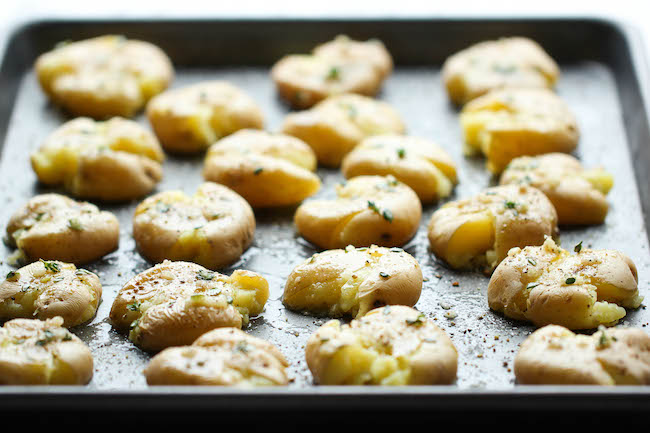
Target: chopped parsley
x,y
384,274
510,204
532,261
48,336
242,347
531,286
205,275
135,306
401,153
51,265
578,247
373,206
388,215
13,275
258,170
570,280
418,321
74,224
334,73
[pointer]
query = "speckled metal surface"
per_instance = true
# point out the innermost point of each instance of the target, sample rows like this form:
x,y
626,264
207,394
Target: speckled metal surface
x,y
486,342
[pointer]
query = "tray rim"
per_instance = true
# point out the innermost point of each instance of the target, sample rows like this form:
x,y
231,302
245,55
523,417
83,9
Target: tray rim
x,y
519,397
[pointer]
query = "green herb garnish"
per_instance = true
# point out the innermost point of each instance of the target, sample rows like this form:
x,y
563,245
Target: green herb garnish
x,y
401,153
578,247
334,73
570,280
531,261
510,204
384,275
258,170
13,275
417,321
205,275
74,224
388,215
51,265
135,306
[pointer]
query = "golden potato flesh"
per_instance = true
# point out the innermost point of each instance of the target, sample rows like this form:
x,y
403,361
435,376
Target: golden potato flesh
x,y
35,352
336,67
225,357
54,227
554,355
104,76
421,164
47,289
489,65
353,281
212,228
266,169
111,160
336,125
578,194
173,303
367,210
479,231
189,119
549,285
505,124
393,345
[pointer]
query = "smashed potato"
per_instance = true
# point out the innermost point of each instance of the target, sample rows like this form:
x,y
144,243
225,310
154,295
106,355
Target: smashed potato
x,y
336,67
578,194
489,65
35,352
393,345
104,76
336,125
549,285
508,123
554,355
47,289
421,164
225,357
174,303
113,160
266,169
353,281
479,231
212,228
191,118
367,210
54,227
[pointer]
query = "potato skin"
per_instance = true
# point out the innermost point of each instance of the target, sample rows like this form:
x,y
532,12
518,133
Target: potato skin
x,y
577,194
364,352
174,303
506,62
368,210
268,170
519,216
212,228
225,357
59,290
553,355
421,164
36,352
112,160
375,276
336,67
104,76
334,126
54,227
512,122
189,119
549,285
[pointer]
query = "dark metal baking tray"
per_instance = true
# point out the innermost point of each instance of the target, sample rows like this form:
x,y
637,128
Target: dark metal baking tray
x,y
604,80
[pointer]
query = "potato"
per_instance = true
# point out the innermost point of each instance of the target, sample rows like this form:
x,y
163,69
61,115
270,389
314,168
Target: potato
x,y
189,119
266,169
47,289
393,345
353,281
113,160
174,303
104,76
212,228
421,164
549,285
336,67
508,123
336,125
578,194
489,65
479,231
368,210
35,352
554,355
54,227
225,356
